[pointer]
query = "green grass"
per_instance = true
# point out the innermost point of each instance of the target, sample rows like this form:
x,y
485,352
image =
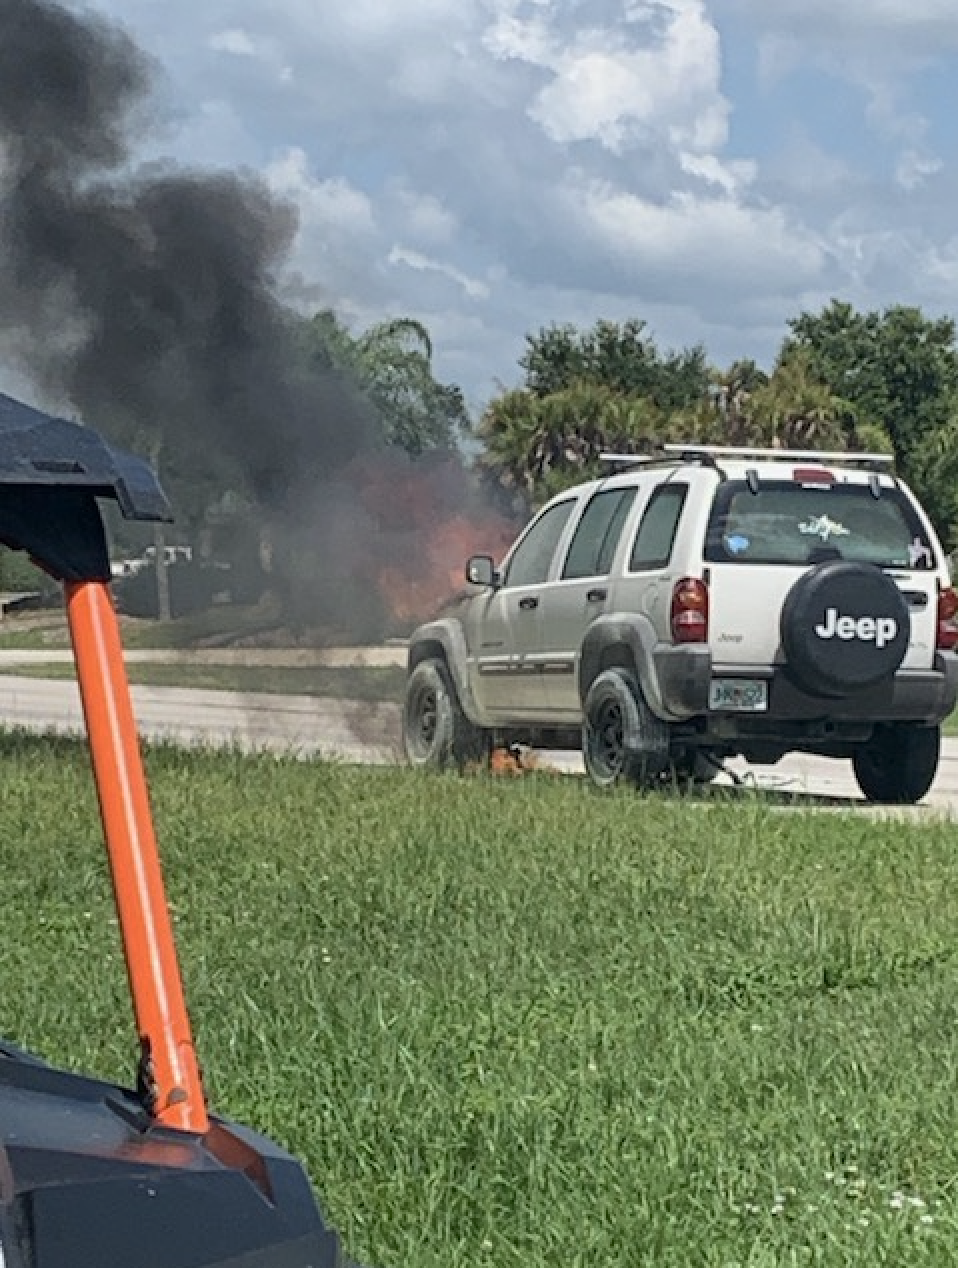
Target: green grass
x,y
224,625
228,625
369,683
34,632
522,1024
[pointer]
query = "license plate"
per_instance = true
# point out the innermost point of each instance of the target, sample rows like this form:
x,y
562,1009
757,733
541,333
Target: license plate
x,y
740,695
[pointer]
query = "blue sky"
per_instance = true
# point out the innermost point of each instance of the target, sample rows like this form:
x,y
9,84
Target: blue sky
x,y
490,166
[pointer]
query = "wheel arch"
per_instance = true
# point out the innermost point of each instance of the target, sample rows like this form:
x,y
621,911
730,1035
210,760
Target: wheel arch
x,y
623,643
445,640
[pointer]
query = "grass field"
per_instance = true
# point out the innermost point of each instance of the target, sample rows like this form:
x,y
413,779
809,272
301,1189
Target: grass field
x,y
229,625
520,1023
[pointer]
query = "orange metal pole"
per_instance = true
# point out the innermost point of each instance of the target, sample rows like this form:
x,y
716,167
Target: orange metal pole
x,y
169,1071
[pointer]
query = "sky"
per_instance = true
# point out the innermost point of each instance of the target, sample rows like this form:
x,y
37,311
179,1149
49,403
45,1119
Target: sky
x,y
490,167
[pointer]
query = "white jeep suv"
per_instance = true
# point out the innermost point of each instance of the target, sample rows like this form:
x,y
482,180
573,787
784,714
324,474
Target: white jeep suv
x,y
698,605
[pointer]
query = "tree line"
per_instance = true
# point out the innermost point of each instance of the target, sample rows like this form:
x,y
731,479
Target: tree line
x,y
842,379
882,381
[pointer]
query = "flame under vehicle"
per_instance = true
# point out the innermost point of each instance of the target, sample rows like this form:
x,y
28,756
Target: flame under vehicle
x,y
700,604
94,1175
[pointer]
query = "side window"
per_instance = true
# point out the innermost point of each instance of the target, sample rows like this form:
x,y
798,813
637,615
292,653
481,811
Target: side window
x,y
530,562
597,534
653,541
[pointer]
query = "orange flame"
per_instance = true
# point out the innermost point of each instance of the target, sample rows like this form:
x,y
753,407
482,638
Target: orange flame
x,y
429,525
512,761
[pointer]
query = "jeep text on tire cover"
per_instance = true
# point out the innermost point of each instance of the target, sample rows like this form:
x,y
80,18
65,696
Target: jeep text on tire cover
x,y
722,603
870,629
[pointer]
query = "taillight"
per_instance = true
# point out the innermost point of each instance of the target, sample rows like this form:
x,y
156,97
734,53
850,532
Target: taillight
x,y
690,611
947,620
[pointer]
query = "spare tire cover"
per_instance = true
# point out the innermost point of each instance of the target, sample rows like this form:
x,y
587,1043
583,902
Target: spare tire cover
x,y
845,626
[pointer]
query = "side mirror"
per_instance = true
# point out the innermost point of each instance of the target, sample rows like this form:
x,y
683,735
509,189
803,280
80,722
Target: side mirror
x,y
481,571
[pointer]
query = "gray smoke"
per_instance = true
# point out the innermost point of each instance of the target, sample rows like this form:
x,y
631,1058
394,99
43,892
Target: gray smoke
x,y
147,298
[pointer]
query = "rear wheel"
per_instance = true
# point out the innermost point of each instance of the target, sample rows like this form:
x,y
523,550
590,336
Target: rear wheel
x,y
436,734
899,763
622,739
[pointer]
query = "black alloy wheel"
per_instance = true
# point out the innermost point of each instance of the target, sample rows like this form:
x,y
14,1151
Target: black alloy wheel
x,y
436,734
622,740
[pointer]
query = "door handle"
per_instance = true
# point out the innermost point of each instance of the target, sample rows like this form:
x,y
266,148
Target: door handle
x,y
528,603
596,596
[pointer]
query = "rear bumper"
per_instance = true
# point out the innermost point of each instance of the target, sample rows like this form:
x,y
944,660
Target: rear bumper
x,y
910,696
925,696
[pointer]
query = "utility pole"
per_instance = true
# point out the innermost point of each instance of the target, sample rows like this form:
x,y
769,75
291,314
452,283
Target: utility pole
x,y
163,606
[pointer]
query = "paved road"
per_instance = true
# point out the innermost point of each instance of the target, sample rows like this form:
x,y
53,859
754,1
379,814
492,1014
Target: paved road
x,y
360,732
352,730
270,657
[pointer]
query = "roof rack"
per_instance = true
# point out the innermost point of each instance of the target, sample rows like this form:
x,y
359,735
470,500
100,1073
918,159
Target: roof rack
x,y
782,455
710,454
635,459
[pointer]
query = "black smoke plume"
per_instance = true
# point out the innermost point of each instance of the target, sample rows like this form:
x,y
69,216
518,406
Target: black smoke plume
x,y
146,299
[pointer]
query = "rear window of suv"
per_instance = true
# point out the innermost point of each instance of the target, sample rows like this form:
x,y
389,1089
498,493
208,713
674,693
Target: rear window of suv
x,y
787,523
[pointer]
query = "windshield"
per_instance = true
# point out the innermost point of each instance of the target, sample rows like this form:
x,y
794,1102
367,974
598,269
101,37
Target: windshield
x,y
788,523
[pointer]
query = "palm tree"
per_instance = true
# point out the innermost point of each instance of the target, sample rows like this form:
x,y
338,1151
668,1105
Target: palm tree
x,y
391,363
538,445
797,410
732,393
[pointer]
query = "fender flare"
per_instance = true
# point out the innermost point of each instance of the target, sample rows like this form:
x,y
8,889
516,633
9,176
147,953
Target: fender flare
x,y
445,639
631,640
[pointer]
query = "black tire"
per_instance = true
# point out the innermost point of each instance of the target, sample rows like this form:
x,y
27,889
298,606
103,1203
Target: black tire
x,y
622,739
899,763
436,734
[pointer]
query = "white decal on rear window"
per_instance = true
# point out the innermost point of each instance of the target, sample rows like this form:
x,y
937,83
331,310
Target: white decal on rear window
x,y
919,556
823,527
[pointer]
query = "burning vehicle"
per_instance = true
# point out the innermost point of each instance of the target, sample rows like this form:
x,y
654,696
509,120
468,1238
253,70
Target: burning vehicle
x,y
148,296
94,1175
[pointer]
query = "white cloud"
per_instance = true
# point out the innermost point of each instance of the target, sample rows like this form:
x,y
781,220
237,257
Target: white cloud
x,y
333,204
710,241
528,40
425,217
375,20
239,43
515,162
942,265
914,169
471,286
621,84
912,25
803,171
881,48
731,177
